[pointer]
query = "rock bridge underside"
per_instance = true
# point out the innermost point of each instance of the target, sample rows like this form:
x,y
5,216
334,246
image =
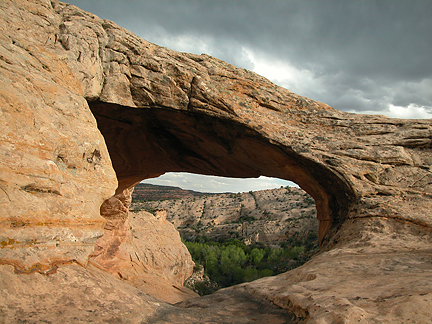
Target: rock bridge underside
x,y
89,109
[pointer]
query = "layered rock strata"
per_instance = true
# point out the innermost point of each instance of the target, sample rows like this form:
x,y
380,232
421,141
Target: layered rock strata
x,y
270,217
78,93
55,170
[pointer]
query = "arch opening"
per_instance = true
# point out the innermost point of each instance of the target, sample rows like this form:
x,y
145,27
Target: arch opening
x,y
268,211
147,142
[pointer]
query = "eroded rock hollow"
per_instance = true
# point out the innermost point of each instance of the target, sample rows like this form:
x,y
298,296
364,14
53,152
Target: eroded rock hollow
x,y
88,110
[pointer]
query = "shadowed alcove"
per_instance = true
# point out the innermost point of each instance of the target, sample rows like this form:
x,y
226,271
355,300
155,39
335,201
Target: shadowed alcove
x,y
147,142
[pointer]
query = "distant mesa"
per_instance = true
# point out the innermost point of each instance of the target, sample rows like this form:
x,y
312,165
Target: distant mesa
x,y
145,191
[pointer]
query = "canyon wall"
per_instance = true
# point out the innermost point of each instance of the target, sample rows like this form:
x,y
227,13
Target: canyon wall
x,y
270,217
88,109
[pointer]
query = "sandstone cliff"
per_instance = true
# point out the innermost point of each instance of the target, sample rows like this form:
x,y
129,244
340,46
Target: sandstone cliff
x,y
88,108
270,217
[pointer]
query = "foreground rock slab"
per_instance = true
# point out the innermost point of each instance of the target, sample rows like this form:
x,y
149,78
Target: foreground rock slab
x,y
345,286
72,295
77,295
225,306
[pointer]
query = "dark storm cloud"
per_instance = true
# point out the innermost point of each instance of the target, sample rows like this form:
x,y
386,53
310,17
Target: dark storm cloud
x,y
355,55
361,55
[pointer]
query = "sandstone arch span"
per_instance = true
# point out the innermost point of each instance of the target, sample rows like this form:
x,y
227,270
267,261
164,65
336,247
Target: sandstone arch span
x,y
145,143
61,67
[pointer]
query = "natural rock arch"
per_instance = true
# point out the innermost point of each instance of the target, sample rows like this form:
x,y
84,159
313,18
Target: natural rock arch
x,y
61,67
358,168
148,142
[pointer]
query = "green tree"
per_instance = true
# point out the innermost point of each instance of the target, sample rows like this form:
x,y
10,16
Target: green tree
x,y
256,255
232,262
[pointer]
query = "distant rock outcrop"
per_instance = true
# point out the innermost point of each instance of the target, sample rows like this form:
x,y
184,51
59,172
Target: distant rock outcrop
x,y
89,109
145,191
270,217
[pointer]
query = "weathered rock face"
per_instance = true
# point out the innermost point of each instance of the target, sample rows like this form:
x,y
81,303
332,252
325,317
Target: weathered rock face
x,y
160,110
143,250
266,216
55,169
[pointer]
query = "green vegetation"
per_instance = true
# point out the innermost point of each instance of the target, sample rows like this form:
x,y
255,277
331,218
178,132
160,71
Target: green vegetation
x,y
233,262
229,261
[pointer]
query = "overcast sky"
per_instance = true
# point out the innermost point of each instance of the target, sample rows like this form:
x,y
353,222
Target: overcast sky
x,y
358,56
203,183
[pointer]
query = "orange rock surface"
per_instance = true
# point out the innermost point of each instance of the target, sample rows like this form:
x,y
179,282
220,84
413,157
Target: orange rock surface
x,y
144,251
89,109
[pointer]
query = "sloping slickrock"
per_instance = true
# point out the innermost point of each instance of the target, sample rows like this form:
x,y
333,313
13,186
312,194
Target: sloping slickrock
x,y
355,286
144,251
72,295
84,102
